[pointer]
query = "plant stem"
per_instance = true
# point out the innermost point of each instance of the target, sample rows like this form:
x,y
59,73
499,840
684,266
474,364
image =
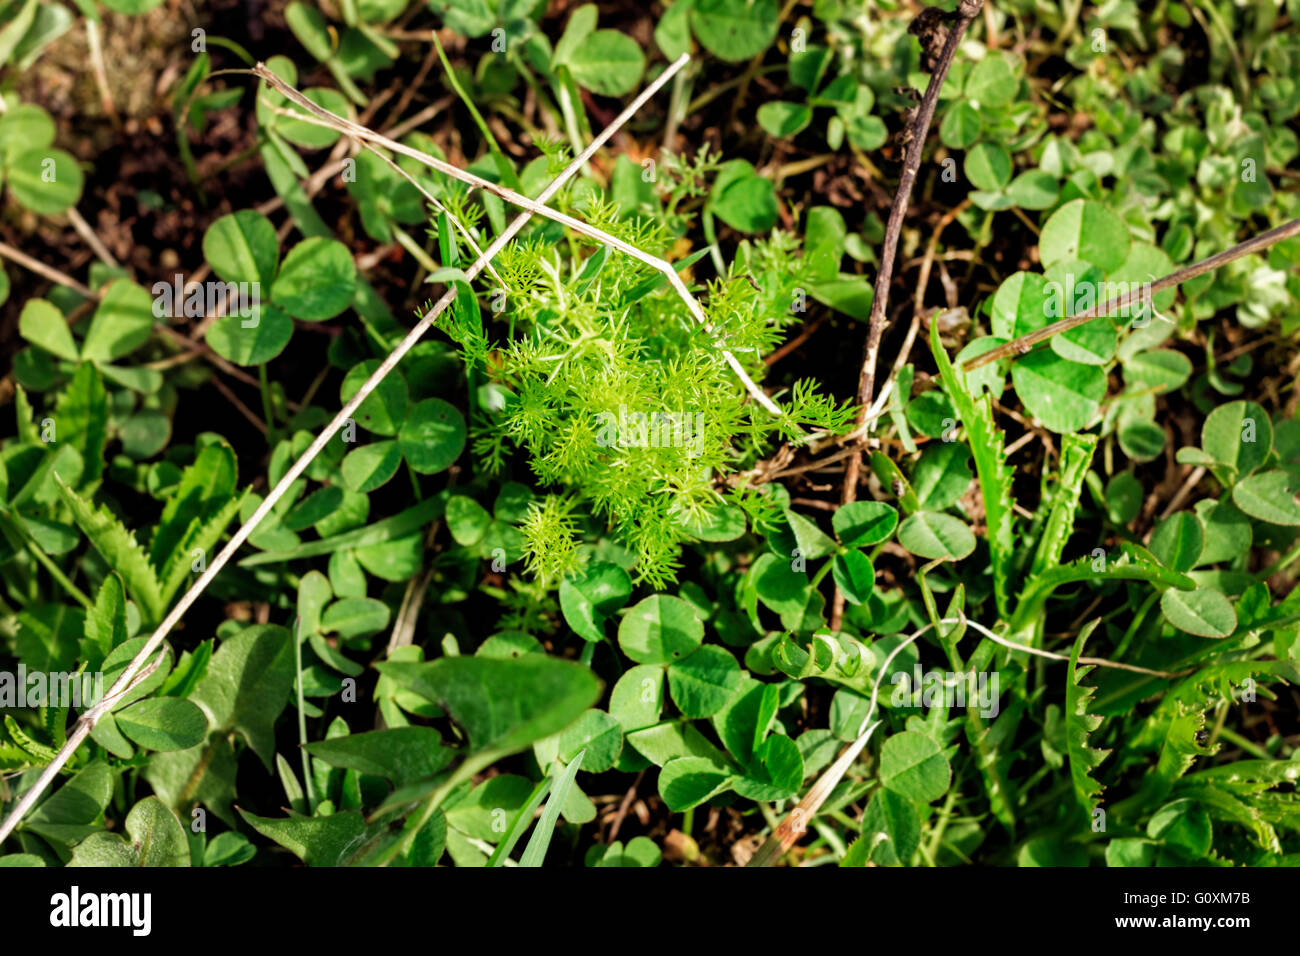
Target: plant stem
x,y
1023,344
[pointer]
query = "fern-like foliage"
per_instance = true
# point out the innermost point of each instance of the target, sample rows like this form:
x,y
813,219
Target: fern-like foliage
x,y
622,401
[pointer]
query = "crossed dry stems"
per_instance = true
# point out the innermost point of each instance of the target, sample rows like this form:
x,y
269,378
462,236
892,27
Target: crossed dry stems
x,y
129,677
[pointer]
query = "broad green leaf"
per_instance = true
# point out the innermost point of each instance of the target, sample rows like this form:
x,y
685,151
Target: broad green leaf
x,y
432,436
1019,305
1163,369
45,180
42,324
891,828
355,617
588,598
317,280
742,199
163,723
702,683
371,466
988,166
242,247
1271,496
123,321
156,838
1227,531
1183,824
247,685
854,576
318,841
961,125
1204,612
503,705
1088,230
862,523
467,520
205,774
1064,395
69,814
581,24
913,765
637,699
775,770
597,736
607,62
942,475
735,30
931,534
660,629
1033,189
46,637
1177,541
254,340
1239,435
686,782
1123,498
402,755
783,120
992,81
384,409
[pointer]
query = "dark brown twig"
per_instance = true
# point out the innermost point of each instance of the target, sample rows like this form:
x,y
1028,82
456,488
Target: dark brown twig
x,y
915,136
1026,342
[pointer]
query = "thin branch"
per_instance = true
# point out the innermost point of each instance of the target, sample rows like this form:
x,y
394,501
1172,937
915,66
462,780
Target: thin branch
x,y
88,234
48,272
917,131
124,681
537,206
1141,294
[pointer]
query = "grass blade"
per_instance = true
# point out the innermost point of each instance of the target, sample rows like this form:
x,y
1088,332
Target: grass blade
x,y
538,843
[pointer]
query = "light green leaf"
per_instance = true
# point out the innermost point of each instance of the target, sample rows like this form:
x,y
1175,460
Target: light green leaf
x,y
913,765
659,630
1204,612
163,723
1088,230
931,534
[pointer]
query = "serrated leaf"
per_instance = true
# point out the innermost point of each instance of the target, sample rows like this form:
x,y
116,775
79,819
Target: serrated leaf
x,y
317,841
120,549
995,477
1079,725
202,536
